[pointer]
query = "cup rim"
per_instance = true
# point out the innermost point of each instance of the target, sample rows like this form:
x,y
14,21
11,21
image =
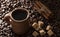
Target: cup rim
x,y
20,20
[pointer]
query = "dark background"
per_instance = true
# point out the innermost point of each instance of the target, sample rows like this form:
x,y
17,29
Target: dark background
x,y
54,6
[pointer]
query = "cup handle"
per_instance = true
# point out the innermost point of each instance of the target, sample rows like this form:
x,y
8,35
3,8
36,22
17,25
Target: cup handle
x,y
7,18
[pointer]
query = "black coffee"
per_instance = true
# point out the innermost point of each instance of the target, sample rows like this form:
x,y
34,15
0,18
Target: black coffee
x,y
19,14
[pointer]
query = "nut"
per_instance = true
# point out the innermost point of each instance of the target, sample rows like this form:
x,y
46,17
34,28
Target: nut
x,y
35,26
50,32
42,32
35,34
40,23
48,27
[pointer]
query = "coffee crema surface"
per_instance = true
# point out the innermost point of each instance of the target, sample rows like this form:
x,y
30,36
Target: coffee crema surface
x,y
19,14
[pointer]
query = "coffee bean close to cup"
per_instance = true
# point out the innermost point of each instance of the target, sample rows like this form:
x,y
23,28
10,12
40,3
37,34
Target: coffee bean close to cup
x,y
19,19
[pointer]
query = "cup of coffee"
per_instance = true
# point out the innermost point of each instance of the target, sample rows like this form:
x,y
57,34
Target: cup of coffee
x,y
19,19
